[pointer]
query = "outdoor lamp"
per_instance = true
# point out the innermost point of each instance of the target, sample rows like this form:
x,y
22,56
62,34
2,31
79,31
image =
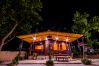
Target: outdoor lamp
x,y
67,39
46,39
56,38
34,38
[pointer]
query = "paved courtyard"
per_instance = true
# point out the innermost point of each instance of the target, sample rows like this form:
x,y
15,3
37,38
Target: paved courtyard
x,y
95,62
54,65
71,63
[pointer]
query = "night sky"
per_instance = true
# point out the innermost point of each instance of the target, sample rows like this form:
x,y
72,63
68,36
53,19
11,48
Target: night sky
x,y
58,14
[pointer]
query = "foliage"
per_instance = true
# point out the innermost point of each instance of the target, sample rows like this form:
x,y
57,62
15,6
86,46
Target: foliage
x,y
49,63
86,61
24,12
75,52
84,24
15,61
34,55
18,17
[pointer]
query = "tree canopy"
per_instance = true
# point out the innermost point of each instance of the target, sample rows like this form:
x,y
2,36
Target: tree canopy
x,y
18,17
85,24
23,12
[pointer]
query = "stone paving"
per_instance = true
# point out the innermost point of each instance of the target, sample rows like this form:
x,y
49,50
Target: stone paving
x,y
95,62
74,61
54,65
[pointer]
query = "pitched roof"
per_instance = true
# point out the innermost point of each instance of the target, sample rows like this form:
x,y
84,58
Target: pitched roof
x,y
62,36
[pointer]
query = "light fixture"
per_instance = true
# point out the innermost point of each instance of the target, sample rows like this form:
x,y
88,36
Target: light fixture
x,y
56,38
67,39
46,39
34,38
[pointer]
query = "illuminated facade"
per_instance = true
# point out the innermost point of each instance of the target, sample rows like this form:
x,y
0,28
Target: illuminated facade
x,y
56,42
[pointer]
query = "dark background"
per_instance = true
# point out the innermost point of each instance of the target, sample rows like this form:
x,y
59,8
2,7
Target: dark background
x,y
58,14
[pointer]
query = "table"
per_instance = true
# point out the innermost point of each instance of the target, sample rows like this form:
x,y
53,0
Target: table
x,y
62,58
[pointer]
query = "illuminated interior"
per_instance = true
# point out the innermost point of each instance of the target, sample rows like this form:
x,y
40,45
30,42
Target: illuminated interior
x,y
55,46
39,47
64,46
60,46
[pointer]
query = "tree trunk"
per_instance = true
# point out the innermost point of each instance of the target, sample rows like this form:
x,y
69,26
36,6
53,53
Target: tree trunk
x,y
6,36
2,43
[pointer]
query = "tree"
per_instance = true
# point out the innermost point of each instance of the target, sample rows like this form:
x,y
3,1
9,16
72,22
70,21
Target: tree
x,y
18,17
84,24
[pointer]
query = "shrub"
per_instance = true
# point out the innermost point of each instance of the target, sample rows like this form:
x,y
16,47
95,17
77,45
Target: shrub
x,y
11,64
86,61
34,54
49,63
14,61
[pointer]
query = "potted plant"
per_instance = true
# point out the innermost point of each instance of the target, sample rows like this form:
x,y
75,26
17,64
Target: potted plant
x,y
49,63
86,61
15,61
34,56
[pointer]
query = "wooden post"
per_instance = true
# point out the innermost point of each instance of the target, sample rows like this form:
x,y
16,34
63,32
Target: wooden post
x,y
30,49
83,52
83,48
79,47
20,47
70,48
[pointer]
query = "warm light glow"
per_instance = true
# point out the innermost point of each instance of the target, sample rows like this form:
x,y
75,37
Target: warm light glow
x,y
55,46
64,46
46,39
40,39
39,47
56,38
67,39
34,38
